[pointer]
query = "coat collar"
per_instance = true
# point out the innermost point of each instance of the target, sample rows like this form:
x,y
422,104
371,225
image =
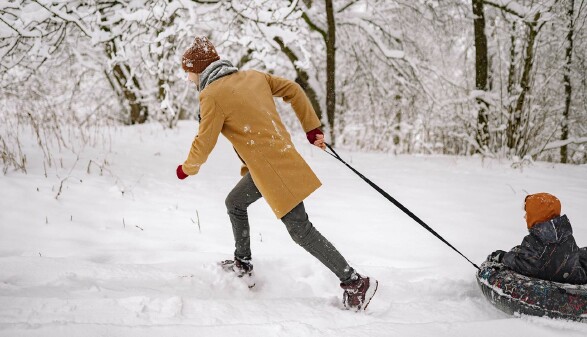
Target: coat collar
x,y
552,231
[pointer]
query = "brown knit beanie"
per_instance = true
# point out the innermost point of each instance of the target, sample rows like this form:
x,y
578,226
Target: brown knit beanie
x,y
541,207
199,55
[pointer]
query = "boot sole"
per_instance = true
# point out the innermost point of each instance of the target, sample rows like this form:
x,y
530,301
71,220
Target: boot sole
x,y
370,292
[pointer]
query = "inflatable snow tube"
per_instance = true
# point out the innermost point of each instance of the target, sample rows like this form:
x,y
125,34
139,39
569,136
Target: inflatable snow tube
x,y
517,294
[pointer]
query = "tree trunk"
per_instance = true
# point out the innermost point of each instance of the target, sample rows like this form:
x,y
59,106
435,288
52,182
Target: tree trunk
x,y
512,67
515,121
511,84
481,73
330,69
567,82
302,78
138,111
329,36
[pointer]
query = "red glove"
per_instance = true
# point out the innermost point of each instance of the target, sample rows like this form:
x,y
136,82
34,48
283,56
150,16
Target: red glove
x,y
311,135
180,174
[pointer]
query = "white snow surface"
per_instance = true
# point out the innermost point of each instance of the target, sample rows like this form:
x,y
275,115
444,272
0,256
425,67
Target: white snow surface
x,y
99,262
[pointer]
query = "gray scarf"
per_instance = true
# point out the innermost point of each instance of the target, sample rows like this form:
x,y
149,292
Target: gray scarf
x,y
214,71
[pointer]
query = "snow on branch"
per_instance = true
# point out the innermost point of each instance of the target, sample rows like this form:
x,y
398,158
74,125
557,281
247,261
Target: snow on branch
x,y
487,97
559,144
260,14
515,8
364,26
64,15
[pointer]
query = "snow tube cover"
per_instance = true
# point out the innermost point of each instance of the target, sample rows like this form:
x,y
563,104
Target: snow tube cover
x,y
516,294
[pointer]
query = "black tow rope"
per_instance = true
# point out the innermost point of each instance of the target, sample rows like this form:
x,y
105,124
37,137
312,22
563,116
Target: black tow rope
x,y
397,203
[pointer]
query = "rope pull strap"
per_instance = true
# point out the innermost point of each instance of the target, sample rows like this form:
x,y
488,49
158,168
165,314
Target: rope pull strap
x,y
397,203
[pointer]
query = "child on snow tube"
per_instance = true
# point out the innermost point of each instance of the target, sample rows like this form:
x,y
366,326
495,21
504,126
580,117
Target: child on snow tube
x,y
549,252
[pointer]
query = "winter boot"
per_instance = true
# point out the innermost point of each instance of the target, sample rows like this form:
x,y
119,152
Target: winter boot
x,y
242,268
358,293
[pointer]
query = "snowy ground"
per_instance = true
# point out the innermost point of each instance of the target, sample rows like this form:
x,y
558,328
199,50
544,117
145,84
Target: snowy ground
x,y
121,254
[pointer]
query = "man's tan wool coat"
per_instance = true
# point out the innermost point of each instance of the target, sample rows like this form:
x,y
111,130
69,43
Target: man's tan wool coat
x,y
241,107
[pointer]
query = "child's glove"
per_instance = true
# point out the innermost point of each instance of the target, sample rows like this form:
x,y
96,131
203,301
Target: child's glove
x,y
180,174
496,256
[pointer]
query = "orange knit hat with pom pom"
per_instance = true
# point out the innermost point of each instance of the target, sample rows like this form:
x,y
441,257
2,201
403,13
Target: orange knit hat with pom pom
x,y
541,207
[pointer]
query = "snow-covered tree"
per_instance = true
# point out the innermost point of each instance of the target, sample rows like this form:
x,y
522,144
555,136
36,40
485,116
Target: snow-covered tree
x,y
405,76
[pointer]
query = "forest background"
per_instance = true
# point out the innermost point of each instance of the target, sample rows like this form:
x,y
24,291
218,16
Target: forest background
x,y
496,78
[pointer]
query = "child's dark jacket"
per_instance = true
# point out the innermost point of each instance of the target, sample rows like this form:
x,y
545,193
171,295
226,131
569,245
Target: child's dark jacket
x,y
549,252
